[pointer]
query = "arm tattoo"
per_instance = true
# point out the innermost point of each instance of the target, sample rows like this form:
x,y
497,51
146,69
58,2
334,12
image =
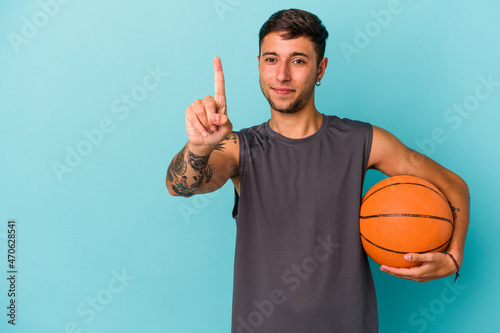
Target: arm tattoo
x,y
230,137
170,176
209,172
176,173
179,165
221,146
198,180
181,188
197,162
454,210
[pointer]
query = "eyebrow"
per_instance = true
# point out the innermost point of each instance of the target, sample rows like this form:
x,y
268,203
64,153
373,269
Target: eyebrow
x,y
294,54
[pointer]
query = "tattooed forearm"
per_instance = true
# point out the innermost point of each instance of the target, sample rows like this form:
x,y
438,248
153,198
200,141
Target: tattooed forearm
x,y
198,180
170,175
186,173
179,165
181,188
197,162
209,172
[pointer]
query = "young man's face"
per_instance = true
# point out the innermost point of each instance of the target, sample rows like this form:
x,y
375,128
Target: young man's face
x,y
288,72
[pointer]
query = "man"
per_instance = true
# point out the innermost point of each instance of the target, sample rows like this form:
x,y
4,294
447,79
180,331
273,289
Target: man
x,y
299,263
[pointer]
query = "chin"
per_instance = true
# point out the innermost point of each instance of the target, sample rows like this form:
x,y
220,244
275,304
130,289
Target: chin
x,y
288,110
293,107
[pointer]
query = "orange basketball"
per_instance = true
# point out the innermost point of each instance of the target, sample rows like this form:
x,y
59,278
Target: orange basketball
x,y
404,214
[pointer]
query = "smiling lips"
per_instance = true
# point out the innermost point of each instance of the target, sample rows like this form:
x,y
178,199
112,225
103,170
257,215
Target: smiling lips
x,y
283,91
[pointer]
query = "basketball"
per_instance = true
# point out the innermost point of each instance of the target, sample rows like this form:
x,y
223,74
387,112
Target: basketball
x,y
404,214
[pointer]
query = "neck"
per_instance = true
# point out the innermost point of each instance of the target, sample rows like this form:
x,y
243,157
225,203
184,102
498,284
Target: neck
x,y
298,125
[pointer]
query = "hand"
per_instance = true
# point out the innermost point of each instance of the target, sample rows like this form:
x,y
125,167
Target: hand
x,y
434,266
207,123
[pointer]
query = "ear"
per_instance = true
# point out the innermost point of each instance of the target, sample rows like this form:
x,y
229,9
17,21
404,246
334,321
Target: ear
x,y
258,60
321,69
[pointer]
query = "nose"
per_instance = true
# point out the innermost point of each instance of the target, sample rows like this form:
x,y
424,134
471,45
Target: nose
x,y
283,73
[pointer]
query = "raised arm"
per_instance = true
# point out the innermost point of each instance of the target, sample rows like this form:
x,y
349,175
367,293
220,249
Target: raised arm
x,y
392,157
210,157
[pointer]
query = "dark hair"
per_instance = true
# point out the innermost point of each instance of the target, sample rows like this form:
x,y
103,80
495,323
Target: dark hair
x,y
296,23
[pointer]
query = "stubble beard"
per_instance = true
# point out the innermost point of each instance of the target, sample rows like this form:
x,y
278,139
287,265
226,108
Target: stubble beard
x,y
296,105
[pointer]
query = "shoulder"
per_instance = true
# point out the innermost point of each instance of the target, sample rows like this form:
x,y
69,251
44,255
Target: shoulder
x,y
253,131
252,137
347,124
348,129
388,152
384,139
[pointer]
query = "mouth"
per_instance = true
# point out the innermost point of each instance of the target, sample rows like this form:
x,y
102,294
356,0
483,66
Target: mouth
x,y
283,91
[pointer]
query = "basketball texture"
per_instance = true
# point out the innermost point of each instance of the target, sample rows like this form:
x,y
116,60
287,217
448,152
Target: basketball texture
x,y
404,214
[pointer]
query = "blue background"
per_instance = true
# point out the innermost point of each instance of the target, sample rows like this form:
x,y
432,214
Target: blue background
x,y
67,67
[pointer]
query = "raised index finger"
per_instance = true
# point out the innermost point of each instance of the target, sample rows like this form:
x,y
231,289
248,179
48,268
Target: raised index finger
x,y
219,78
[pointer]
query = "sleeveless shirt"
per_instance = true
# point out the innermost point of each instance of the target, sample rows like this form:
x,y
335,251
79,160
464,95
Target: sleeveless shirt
x,y
299,263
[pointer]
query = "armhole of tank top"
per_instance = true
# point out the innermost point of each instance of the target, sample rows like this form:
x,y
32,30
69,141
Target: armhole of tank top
x,y
241,163
236,204
368,147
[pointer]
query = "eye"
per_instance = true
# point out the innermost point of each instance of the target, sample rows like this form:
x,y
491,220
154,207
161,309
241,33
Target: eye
x,y
298,61
270,60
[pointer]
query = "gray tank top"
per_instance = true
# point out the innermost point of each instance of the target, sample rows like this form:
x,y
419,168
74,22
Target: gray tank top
x,y
299,263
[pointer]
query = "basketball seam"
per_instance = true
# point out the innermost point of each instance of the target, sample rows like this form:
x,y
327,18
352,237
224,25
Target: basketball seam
x,y
408,215
399,252
407,183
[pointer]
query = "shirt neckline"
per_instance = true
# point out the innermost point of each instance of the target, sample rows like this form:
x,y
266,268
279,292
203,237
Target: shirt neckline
x,y
272,133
